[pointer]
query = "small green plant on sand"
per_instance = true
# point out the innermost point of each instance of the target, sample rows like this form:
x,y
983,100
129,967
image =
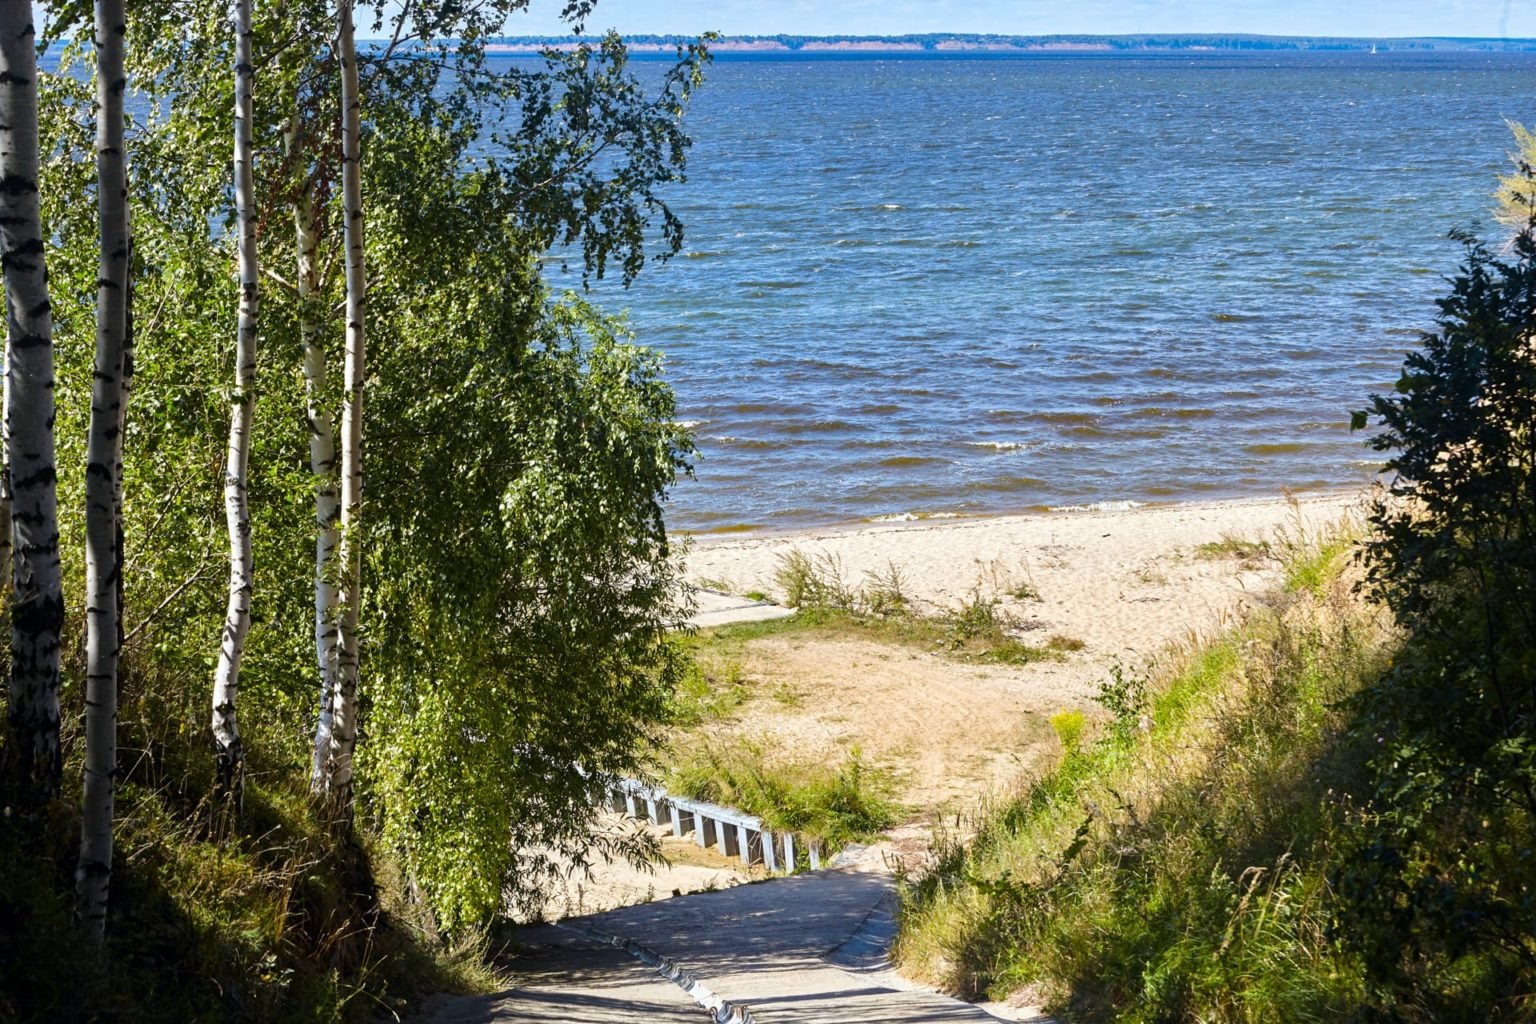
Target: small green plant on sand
x,y
1248,553
1069,726
1126,699
814,582
885,592
980,629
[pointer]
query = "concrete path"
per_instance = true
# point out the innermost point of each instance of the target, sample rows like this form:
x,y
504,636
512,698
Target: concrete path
x,y
568,980
808,949
718,609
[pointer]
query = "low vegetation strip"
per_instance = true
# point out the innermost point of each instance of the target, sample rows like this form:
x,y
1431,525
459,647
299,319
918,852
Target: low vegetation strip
x,y
831,805
1173,866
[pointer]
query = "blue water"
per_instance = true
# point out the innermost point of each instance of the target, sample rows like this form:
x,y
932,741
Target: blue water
x,y
962,286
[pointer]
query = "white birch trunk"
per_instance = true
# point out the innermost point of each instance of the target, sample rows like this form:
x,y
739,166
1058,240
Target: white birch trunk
x,y
228,752
322,465
103,475
344,721
5,489
37,598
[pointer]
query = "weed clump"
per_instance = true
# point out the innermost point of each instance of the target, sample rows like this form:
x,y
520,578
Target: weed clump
x,y
979,629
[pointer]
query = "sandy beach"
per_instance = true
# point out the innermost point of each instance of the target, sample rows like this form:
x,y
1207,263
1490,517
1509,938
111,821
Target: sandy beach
x,y
1125,581
1125,585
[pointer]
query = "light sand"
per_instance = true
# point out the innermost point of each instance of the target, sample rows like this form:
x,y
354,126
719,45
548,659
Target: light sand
x,y
1128,584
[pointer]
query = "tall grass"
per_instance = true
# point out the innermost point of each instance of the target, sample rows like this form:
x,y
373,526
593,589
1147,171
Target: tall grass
x,y
275,918
1175,867
833,803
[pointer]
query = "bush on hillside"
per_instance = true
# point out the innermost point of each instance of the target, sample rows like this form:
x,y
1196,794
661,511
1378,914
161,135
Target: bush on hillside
x,y
1440,892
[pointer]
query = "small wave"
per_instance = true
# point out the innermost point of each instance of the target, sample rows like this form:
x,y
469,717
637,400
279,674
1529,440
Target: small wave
x,y
911,517
909,461
749,443
772,285
1099,506
726,528
819,427
1282,448
890,206
778,409
702,254
690,424
1001,446
1157,411
1067,419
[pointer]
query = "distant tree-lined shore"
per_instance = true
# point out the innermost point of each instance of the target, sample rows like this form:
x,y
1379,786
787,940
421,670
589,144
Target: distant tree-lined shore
x,y
982,43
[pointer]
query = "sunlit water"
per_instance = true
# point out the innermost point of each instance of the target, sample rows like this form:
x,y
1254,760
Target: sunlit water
x,y
961,286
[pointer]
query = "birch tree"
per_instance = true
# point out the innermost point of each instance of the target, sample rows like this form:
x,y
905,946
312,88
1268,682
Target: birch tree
x,y
229,752
5,488
37,600
103,477
322,451
338,780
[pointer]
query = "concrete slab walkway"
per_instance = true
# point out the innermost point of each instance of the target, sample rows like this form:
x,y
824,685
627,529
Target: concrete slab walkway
x,y
806,949
569,980
719,609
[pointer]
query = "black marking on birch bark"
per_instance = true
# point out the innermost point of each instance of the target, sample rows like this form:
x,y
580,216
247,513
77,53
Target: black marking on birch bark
x,y
39,478
96,869
38,617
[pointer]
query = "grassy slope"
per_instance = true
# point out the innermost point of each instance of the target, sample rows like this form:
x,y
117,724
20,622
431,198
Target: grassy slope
x,y
1175,867
278,921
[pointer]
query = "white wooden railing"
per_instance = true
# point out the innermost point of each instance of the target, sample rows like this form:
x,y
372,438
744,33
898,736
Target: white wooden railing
x,y
734,833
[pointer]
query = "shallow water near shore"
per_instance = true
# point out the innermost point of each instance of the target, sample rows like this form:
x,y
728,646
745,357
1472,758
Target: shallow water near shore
x,y
969,286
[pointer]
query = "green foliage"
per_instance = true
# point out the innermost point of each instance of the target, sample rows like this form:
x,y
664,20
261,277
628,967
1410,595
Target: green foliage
x,y
885,592
1516,195
523,590
1125,697
1445,855
279,920
835,804
518,577
814,582
1175,871
1069,726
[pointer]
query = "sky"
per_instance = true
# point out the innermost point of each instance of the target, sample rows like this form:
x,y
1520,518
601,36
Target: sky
x,y
1368,18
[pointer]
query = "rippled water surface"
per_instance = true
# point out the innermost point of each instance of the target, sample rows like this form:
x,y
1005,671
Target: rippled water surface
x,y
957,286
